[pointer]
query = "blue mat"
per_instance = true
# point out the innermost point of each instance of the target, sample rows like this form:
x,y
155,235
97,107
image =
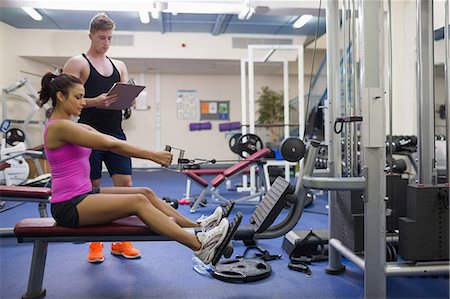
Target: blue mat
x,y
165,269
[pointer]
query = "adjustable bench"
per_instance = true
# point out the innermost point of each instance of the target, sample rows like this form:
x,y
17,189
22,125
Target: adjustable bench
x,y
199,173
41,231
225,175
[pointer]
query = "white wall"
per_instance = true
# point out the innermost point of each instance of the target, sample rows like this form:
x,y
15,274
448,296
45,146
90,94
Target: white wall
x,y
141,127
404,68
17,44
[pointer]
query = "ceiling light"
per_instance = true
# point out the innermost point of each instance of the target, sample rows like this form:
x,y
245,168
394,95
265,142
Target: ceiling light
x,y
167,6
144,17
33,13
302,21
246,13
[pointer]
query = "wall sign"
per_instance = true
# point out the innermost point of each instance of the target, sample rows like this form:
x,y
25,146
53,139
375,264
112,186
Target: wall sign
x,y
187,102
214,110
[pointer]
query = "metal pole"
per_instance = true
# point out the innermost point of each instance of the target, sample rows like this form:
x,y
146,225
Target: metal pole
x,y
251,91
426,144
243,97
251,110
374,136
348,253
286,98
286,109
355,99
301,93
334,143
345,76
389,74
447,88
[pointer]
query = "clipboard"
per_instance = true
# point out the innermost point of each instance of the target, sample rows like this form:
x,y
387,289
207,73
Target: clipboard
x,y
126,92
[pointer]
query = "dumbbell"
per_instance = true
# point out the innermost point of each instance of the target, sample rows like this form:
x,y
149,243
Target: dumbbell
x,y
399,142
203,202
171,202
398,165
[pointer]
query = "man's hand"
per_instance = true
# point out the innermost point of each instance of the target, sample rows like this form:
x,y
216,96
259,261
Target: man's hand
x,y
104,100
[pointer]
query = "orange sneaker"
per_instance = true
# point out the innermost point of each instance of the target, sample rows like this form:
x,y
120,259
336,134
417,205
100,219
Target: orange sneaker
x,y
125,249
95,253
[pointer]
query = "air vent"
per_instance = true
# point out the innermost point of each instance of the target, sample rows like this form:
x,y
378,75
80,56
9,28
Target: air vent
x,y
123,40
243,43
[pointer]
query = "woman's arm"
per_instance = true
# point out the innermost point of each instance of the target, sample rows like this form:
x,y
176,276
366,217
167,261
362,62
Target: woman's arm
x,y
68,132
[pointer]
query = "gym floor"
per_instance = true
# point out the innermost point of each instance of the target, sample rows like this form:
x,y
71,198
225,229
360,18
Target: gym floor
x,y
165,269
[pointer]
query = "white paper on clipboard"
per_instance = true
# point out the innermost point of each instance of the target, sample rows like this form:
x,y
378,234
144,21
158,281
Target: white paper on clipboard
x,y
126,92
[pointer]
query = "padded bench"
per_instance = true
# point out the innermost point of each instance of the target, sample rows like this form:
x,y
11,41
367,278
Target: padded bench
x,y
41,195
41,231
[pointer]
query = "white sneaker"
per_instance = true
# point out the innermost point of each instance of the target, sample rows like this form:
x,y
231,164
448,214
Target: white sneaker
x,y
211,240
211,220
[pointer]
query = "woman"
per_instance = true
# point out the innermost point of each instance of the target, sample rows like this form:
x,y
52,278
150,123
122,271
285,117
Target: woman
x,y
75,203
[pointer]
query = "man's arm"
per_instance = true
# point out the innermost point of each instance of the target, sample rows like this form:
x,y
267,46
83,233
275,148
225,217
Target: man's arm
x,y
122,68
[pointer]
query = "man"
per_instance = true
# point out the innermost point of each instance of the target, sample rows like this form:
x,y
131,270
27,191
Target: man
x,y
98,73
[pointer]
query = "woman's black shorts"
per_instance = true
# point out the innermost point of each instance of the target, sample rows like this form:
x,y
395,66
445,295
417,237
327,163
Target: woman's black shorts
x,y
65,213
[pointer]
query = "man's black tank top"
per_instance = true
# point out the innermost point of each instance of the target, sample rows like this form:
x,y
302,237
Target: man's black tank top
x,y
104,120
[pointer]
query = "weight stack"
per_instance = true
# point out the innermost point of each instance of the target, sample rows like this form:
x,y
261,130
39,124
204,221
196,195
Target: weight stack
x,y
424,233
349,219
396,189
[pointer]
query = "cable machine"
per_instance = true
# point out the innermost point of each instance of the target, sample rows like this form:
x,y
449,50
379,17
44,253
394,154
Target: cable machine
x,y
423,238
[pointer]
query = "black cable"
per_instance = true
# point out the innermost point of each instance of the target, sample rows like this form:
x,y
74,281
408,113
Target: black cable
x,y
312,70
338,121
315,212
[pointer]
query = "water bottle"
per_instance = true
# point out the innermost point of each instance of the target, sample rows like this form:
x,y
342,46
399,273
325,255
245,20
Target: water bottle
x,y
200,267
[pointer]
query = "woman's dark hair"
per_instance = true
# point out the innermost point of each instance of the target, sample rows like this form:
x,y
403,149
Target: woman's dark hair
x,y
52,83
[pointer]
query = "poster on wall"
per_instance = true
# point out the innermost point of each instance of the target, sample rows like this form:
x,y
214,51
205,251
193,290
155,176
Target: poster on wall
x,y
214,110
187,102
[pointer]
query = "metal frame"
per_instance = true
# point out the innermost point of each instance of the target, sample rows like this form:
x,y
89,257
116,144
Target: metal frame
x,y
425,78
11,91
447,85
373,182
251,92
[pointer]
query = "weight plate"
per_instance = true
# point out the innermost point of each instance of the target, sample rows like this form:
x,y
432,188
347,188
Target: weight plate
x,y
248,144
14,136
233,143
242,270
292,149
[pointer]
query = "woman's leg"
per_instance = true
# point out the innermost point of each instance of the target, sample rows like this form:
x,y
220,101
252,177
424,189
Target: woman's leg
x,y
168,210
105,207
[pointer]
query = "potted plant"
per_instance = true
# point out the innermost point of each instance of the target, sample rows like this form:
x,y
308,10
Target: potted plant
x,y
271,112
